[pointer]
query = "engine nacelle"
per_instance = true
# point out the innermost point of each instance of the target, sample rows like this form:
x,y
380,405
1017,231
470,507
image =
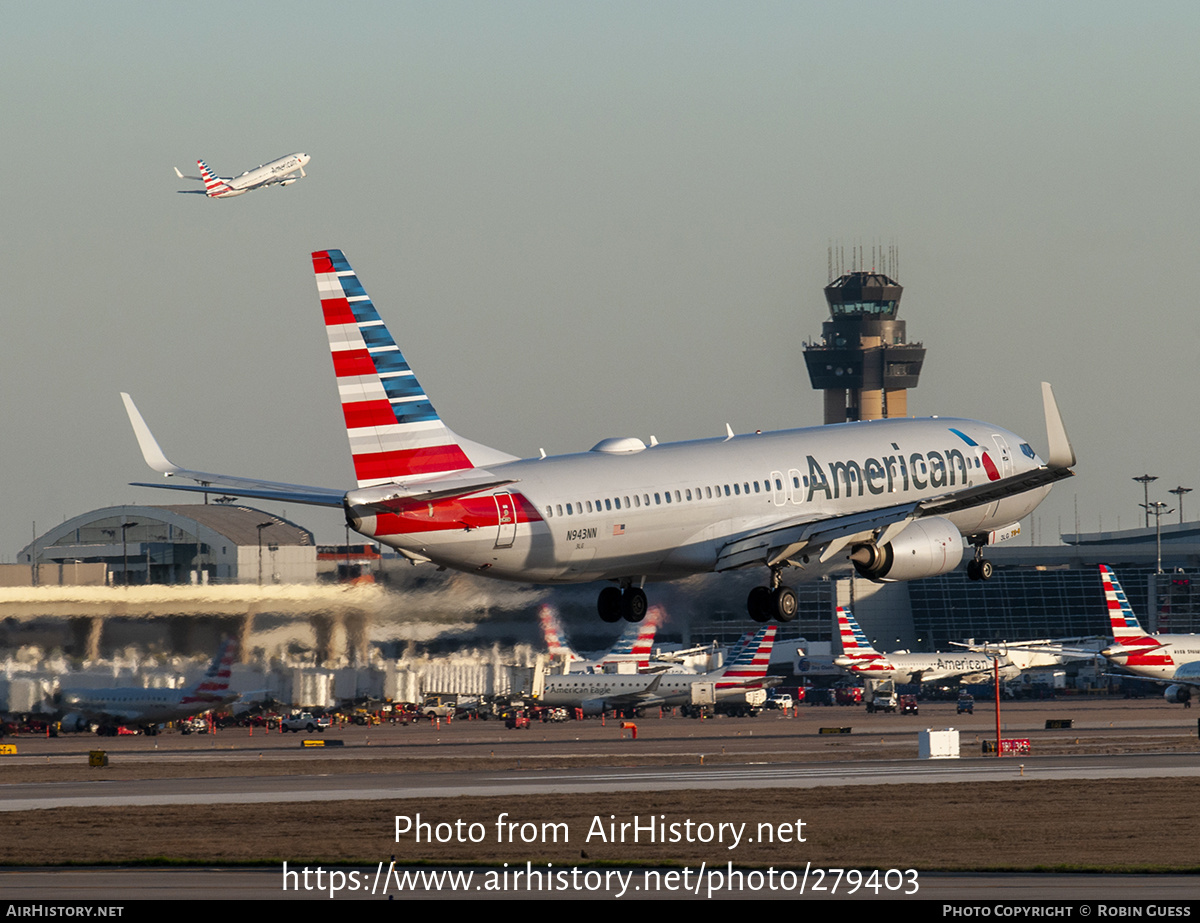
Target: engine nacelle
x,y
75,723
926,548
592,707
1178,695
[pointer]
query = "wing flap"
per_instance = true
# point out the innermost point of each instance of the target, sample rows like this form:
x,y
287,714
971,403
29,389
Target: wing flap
x,y
785,540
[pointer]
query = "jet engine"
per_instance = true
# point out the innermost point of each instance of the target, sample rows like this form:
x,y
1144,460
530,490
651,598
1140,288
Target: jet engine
x,y
592,707
926,548
75,723
1178,695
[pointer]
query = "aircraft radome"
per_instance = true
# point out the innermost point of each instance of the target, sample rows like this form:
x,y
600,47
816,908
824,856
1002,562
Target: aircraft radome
x,y
894,499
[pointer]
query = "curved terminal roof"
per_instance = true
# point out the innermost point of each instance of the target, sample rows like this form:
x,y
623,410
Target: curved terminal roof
x,y
174,524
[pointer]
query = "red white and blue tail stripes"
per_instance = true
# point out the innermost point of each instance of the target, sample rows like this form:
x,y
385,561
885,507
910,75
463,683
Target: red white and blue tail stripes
x,y
637,639
214,685
1125,626
1132,646
552,631
750,662
214,186
393,429
857,653
854,640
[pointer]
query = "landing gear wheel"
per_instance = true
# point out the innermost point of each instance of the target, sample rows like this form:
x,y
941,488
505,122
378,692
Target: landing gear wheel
x,y
980,569
633,604
784,603
609,604
758,604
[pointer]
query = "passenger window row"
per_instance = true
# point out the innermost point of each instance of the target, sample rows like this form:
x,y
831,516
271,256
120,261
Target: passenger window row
x,y
683,495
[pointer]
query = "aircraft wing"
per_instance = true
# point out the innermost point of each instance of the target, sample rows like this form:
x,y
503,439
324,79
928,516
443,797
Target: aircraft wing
x,y
1050,646
783,541
211,483
1190,682
646,696
804,535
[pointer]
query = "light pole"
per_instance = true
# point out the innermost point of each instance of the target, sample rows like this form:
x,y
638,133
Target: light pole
x,y
260,527
1145,480
125,527
1157,508
1179,492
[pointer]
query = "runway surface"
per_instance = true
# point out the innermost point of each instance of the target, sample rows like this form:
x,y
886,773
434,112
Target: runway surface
x,y
351,786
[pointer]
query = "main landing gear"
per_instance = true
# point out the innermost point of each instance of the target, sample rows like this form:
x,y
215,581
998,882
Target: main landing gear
x,y
776,602
628,604
978,568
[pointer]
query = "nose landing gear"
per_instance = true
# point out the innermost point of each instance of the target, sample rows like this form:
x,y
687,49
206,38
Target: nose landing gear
x,y
978,568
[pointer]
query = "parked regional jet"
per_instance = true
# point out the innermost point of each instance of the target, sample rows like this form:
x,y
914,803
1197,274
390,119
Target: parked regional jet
x,y
281,172
858,656
148,708
596,693
1153,656
892,498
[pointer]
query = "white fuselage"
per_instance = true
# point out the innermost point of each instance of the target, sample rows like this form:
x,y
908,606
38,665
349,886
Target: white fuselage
x,y
1155,656
576,690
138,705
268,173
671,510
964,667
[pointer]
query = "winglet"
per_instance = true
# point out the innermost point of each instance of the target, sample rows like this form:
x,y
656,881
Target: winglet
x,y
177,173
1061,453
146,442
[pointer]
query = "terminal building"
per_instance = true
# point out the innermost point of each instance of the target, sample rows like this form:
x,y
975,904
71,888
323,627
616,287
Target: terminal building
x,y
178,544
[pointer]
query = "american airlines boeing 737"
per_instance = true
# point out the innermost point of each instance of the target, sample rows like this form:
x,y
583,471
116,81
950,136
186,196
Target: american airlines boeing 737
x,y
281,172
894,499
1151,656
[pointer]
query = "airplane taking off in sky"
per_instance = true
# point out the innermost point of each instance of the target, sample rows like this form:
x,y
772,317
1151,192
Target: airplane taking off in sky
x,y
594,693
147,708
281,172
1153,656
858,656
895,498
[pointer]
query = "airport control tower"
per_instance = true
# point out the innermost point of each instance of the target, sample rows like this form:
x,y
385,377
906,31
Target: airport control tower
x,y
862,362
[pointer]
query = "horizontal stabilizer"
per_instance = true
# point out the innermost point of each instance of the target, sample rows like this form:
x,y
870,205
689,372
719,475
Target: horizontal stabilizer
x,y
380,499
212,483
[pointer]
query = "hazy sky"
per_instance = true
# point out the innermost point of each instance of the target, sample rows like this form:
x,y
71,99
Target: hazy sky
x,y
587,220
